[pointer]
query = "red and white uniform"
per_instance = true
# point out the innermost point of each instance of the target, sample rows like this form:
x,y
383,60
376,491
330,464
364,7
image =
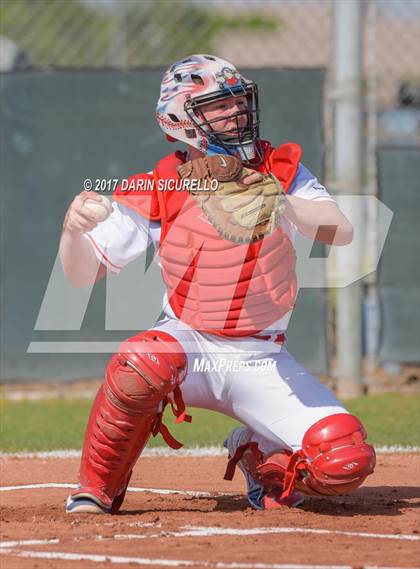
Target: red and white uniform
x,y
220,343
255,381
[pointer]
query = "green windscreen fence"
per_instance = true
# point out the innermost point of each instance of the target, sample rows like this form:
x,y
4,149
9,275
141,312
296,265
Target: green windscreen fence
x,y
60,127
399,269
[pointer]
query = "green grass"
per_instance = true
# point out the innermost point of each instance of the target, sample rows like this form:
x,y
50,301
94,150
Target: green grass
x,y
391,419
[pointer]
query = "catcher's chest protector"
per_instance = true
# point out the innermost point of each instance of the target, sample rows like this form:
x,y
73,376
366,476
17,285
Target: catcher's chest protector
x,y
215,285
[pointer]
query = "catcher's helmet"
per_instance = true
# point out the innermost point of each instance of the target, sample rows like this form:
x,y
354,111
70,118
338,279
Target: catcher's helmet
x,y
198,80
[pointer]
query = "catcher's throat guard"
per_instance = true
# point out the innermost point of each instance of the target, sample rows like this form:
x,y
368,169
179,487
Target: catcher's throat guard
x,y
241,213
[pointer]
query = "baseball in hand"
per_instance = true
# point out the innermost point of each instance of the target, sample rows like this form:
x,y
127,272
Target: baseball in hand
x,y
102,209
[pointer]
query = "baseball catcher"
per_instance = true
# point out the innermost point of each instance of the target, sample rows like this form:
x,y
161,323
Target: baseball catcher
x,y
224,242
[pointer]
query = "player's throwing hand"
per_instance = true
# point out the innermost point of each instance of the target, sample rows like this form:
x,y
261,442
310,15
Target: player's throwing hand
x,y
86,211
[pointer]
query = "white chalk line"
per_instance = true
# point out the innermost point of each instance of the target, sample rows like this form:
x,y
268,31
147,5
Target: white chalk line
x,y
199,531
36,486
9,548
163,491
215,530
9,544
197,452
175,562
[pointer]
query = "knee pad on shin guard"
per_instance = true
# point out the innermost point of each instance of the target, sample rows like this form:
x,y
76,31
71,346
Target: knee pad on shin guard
x,y
334,460
128,409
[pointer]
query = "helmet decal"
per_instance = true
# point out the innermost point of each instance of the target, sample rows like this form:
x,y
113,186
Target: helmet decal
x,y
228,78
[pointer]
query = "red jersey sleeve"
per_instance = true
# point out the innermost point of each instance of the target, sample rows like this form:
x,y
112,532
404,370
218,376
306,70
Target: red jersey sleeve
x,y
139,193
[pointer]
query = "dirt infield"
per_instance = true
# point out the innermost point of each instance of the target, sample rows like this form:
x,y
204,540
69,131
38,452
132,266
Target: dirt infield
x,y
212,525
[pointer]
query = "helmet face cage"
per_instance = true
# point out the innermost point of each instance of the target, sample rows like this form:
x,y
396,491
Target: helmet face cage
x,y
232,139
198,80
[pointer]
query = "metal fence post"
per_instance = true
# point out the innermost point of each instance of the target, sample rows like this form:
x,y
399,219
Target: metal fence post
x,y
348,176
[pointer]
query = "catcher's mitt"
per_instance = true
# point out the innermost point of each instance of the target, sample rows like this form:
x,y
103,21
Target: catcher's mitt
x,y
241,213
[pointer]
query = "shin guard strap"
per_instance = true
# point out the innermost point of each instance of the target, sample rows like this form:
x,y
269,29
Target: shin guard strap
x,y
161,428
178,409
292,470
233,461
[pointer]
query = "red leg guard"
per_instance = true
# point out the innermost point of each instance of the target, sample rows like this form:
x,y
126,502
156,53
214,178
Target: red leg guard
x,y
127,410
335,459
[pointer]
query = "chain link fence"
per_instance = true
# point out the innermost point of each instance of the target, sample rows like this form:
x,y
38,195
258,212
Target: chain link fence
x,y
132,33
126,34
